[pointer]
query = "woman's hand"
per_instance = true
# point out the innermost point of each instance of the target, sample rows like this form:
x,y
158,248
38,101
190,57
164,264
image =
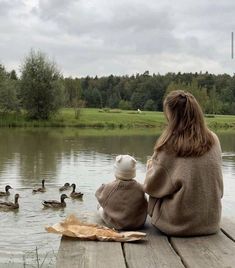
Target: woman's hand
x,y
149,163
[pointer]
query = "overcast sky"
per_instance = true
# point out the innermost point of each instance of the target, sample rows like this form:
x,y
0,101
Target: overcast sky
x,y
103,37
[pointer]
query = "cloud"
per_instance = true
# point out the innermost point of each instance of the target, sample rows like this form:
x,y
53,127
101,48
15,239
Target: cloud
x,y
120,37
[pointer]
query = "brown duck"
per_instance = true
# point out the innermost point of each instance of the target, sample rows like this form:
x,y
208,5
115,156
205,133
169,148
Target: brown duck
x,y
55,203
10,205
65,187
41,189
6,193
75,194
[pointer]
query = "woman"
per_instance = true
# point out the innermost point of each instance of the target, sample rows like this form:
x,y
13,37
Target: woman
x,y
184,177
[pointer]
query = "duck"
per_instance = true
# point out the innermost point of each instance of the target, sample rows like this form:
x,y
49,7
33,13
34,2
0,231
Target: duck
x,y
65,187
55,203
41,189
6,193
75,194
10,205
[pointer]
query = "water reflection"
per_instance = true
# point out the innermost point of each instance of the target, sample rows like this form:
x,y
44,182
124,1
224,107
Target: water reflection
x,y
61,155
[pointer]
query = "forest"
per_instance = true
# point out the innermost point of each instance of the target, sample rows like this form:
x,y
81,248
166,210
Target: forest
x,y
41,89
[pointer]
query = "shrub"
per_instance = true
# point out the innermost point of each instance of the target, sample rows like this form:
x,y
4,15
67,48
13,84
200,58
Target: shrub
x,y
41,86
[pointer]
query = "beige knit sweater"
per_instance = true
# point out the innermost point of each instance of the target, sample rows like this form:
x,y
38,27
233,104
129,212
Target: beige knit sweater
x,y
124,204
185,192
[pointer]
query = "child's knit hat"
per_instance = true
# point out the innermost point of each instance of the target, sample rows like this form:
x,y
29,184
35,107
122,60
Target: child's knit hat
x,y
125,167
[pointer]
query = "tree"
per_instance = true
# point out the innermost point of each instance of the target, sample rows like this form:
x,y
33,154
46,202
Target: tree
x,y
8,96
41,86
149,105
13,75
214,105
137,100
72,89
113,100
199,93
124,105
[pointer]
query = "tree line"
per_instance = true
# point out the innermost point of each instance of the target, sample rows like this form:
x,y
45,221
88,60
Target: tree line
x,y
41,90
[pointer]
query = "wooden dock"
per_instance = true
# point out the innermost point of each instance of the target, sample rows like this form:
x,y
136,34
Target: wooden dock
x,y
158,250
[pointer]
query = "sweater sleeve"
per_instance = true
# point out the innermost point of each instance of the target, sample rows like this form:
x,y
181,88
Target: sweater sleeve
x,y
221,186
157,181
104,192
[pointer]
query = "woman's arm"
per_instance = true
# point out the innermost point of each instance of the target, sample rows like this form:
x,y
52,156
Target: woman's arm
x,y
157,181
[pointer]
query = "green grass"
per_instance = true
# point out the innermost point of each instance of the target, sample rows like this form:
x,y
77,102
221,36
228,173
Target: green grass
x,y
109,119
114,118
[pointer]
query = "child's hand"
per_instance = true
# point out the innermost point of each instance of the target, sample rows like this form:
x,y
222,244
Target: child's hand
x,y
149,163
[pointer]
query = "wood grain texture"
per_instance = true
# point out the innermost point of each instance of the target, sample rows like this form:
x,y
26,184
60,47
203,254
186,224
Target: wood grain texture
x,y
228,227
155,252
89,254
214,251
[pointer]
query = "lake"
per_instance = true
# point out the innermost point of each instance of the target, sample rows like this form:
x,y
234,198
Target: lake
x,y
85,157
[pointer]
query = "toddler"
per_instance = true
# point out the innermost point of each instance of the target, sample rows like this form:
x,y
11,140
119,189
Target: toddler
x,y
122,202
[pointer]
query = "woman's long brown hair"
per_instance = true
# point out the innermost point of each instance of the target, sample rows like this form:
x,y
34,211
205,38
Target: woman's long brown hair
x,y
186,133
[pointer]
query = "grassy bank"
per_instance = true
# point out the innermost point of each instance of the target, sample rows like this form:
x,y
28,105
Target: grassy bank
x,y
97,118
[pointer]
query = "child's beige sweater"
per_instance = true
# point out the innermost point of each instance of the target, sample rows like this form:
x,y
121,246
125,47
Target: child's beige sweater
x,y
185,192
124,204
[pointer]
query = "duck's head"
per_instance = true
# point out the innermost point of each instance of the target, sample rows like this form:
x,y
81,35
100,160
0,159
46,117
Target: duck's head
x,y
17,197
63,197
66,184
43,181
74,186
8,187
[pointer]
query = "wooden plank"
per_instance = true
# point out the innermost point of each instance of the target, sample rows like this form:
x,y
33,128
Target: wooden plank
x,y
89,254
155,252
215,251
228,227
14,265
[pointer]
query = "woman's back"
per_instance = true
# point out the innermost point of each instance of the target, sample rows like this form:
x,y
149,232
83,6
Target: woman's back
x,y
185,192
